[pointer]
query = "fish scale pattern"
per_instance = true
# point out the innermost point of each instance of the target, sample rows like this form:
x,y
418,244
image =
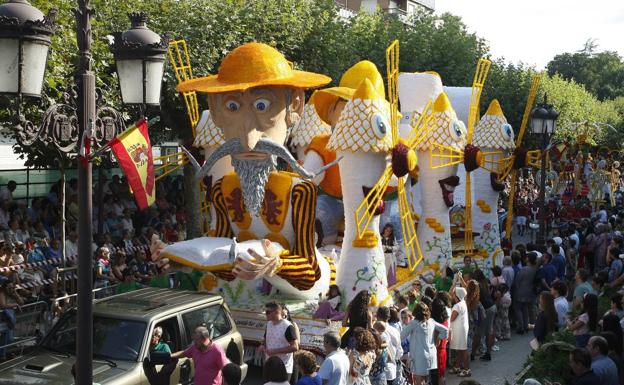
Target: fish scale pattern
x,y
207,134
490,133
440,132
309,126
355,131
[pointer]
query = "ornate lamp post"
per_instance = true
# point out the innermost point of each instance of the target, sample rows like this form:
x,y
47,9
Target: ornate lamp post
x,y
24,41
139,50
81,119
543,122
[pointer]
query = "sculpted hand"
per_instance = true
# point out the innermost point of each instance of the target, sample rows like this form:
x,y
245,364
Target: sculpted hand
x,y
156,246
260,265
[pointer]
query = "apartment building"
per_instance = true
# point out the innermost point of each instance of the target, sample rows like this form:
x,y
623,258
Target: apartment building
x,y
403,8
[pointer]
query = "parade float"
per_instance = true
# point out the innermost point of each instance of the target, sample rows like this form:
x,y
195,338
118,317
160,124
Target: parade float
x,y
262,241
261,245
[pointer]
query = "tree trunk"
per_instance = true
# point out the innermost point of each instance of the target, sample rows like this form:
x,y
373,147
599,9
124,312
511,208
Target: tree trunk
x,y
192,198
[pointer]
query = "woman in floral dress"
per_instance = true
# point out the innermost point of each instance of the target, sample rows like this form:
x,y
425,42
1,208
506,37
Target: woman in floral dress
x,y
378,370
362,356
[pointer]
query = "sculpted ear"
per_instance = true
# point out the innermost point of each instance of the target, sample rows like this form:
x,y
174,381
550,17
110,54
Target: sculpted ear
x,y
216,112
297,102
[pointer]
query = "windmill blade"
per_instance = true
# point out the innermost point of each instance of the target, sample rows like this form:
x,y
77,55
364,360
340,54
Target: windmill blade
x,y
506,167
181,63
392,67
483,67
421,126
410,238
468,242
445,155
535,83
366,210
491,161
510,205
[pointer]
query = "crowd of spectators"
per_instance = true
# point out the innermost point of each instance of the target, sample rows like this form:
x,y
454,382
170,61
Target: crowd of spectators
x,y
31,233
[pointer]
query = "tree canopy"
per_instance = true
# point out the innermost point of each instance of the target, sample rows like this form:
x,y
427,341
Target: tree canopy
x,y
312,35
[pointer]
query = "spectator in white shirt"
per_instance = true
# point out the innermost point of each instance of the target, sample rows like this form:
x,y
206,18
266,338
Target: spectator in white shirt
x,y
335,367
559,290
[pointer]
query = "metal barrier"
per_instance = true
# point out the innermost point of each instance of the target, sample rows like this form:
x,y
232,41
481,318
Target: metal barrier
x,y
30,320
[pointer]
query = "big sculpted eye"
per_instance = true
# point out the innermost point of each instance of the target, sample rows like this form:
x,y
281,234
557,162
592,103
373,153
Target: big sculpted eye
x,y
232,105
380,125
457,130
262,104
507,131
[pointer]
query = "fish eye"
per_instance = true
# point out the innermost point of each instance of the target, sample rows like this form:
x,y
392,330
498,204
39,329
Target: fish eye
x,y
380,125
507,131
457,130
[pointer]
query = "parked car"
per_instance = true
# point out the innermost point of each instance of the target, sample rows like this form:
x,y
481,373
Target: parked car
x,y
122,327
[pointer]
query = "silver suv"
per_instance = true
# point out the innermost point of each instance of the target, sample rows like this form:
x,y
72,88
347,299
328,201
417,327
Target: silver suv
x,y
122,327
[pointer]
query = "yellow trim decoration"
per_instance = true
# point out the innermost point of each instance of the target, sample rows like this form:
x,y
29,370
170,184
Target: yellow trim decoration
x,y
369,240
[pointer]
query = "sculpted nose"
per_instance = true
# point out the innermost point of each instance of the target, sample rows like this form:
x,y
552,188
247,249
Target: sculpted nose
x,y
251,138
250,134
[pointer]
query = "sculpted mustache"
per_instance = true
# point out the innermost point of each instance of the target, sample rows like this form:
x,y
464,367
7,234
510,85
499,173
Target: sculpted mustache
x,y
233,147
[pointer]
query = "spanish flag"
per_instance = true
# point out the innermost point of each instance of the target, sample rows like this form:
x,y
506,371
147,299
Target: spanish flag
x,y
133,151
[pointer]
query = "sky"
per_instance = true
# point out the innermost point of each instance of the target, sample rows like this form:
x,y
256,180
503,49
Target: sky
x,y
534,31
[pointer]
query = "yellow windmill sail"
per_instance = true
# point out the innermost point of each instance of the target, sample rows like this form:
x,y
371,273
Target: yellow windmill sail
x,y
531,156
420,123
181,63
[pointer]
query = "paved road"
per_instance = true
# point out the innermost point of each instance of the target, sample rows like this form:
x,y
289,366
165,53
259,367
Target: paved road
x,y
505,363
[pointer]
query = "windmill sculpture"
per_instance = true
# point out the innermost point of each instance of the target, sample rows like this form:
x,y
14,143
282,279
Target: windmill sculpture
x,y
470,156
404,162
520,157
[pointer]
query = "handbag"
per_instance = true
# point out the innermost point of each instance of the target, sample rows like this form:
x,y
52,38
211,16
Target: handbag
x,y
534,344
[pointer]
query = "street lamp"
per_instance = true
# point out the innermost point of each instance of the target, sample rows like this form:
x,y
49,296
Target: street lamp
x,y
543,122
24,41
80,120
140,57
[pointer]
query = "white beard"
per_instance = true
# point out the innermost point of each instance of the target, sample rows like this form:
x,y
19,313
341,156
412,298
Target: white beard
x,y
253,176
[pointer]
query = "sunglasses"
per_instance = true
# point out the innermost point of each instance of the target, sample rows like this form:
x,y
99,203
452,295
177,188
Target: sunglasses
x,y
267,312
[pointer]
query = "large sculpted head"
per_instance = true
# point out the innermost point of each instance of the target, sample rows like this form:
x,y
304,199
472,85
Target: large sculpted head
x,y
255,98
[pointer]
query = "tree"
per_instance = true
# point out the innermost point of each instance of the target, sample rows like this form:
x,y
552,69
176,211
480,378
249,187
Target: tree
x,y
575,105
601,73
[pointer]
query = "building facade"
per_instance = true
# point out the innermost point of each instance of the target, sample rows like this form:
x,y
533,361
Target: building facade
x,y
404,8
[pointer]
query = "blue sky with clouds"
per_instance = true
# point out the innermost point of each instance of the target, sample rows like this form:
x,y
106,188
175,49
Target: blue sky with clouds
x,y
533,31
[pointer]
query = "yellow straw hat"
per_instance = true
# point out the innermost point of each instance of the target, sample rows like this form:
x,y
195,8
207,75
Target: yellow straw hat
x,y
324,99
253,65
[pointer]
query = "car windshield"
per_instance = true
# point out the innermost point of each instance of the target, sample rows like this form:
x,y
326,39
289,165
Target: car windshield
x,y
113,338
